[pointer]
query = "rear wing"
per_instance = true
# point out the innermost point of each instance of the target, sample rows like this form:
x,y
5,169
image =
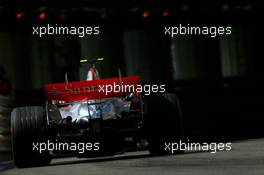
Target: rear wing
x,y
94,89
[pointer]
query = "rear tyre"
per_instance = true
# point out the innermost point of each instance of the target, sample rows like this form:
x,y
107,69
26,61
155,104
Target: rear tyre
x,y
28,126
163,123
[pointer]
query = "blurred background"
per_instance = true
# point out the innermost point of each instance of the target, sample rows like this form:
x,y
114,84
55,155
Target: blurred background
x,y
218,80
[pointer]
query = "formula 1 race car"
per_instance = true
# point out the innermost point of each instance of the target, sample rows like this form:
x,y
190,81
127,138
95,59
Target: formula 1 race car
x,y
91,118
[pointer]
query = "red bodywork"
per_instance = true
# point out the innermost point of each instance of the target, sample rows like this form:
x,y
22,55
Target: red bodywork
x,y
87,90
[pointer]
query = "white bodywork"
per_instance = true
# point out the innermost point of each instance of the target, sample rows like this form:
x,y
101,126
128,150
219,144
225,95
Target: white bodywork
x,y
84,110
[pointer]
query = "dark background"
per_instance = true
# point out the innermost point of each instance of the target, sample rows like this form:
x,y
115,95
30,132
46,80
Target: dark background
x,y
218,80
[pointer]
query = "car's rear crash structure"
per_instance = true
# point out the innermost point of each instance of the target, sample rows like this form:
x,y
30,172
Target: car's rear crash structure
x,y
77,112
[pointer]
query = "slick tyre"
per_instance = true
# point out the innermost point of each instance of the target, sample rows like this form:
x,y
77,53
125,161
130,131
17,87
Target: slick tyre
x,y
163,123
28,126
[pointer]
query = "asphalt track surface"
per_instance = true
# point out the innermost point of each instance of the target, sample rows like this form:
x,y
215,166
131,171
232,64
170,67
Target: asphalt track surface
x,y
245,158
